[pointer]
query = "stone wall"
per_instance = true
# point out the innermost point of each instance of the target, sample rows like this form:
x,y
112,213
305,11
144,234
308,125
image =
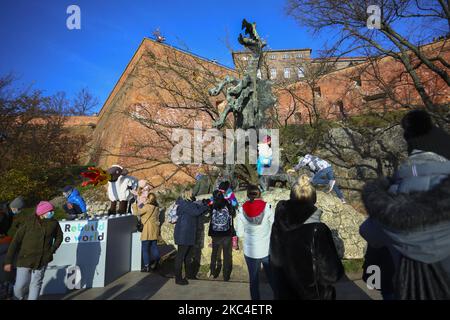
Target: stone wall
x,y
358,157
343,220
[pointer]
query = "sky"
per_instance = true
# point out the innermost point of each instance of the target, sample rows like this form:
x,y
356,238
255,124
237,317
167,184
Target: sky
x,y
39,49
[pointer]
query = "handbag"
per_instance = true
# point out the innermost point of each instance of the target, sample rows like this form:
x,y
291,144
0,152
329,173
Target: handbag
x,y
139,225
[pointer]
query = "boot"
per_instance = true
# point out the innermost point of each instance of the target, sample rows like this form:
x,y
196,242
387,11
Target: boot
x,y
181,282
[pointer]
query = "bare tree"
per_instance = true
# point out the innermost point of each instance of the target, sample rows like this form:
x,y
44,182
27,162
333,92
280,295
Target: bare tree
x,y
423,20
84,103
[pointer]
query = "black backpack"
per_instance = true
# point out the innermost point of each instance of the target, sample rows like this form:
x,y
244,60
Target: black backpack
x,y
221,220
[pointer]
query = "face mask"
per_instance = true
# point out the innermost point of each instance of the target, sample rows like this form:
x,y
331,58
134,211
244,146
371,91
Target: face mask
x,y
49,215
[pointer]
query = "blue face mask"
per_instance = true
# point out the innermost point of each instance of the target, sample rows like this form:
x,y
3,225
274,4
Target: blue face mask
x,y
49,215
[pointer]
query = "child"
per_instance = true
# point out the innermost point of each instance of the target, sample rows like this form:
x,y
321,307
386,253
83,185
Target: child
x,y
254,225
221,232
225,188
264,161
34,245
75,205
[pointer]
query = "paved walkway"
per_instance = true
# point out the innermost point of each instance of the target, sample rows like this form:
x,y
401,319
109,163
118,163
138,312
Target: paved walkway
x,y
142,286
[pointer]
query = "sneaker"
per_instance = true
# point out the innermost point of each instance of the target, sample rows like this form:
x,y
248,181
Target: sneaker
x,y
331,185
343,201
181,282
146,268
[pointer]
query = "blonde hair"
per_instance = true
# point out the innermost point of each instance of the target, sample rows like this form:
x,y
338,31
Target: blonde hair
x,y
303,190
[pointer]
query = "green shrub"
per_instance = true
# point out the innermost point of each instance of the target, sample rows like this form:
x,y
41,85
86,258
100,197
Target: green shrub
x,y
353,265
36,182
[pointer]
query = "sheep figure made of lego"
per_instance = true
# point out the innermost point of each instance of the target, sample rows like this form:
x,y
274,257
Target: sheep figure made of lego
x,y
120,187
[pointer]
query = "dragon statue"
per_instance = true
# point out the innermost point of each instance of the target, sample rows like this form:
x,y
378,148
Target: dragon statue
x,y
247,98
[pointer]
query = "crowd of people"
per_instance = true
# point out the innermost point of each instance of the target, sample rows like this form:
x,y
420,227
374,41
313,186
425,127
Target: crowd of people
x,y
407,229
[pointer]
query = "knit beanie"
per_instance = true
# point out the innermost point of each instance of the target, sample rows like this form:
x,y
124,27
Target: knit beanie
x,y
142,183
43,207
17,203
421,134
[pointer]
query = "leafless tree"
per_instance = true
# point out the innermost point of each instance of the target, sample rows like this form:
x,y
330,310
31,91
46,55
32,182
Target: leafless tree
x,y
422,20
84,103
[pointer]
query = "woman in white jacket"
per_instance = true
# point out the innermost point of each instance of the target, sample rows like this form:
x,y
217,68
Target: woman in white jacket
x,y
254,225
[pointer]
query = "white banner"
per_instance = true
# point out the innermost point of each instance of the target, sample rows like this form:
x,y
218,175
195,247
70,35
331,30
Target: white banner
x,y
84,231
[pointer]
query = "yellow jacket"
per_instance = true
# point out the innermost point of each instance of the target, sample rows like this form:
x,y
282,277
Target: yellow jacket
x,y
150,219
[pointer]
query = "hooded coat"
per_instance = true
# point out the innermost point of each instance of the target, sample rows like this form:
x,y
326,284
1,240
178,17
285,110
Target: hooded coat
x,y
76,199
416,229
254,225
303,256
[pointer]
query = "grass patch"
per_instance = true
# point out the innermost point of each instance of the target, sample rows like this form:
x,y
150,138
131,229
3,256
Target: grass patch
x,y
353,265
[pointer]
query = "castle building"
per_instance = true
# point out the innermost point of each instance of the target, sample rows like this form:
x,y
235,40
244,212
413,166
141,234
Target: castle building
x,y
163,88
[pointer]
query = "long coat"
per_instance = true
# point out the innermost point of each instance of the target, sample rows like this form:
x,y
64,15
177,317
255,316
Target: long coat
x,y
186,226
150,219
303,257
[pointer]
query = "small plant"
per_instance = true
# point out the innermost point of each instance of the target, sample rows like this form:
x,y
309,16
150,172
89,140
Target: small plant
x,y
353,265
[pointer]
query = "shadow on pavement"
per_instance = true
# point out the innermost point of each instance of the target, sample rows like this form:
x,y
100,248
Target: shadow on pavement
x,y
144,289
347,289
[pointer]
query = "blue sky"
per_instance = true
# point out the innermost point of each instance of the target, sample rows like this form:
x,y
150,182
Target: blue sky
x,y
39,49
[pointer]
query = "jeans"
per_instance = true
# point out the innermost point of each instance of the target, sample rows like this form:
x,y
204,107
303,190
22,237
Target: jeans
x,y
150,252
27,278
264,182
323,177
219,244
183,255
254,265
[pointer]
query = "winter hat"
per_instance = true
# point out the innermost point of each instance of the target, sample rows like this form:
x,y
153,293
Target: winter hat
x,y
67,189
43,207
144,193
416,123
421,134
142,183
219,201
224,185
17,203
